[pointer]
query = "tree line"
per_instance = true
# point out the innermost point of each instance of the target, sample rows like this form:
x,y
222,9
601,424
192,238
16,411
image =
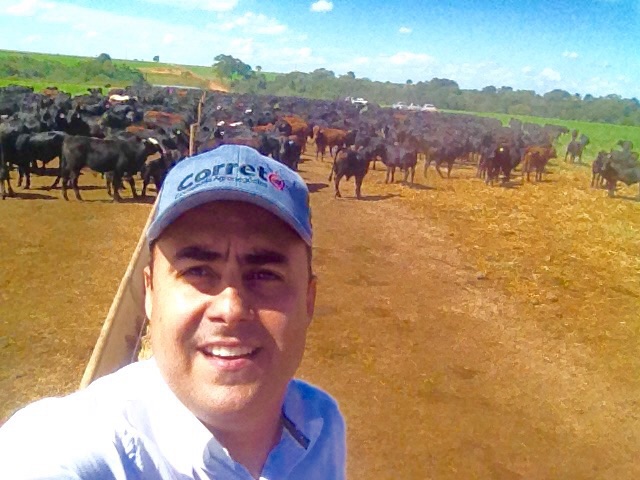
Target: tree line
x,y
442,92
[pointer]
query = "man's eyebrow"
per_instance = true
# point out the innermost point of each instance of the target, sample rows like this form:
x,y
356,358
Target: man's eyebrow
x,y
264,257
195,252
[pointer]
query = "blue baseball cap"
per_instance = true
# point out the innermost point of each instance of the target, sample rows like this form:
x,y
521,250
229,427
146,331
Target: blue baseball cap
x,y
233,172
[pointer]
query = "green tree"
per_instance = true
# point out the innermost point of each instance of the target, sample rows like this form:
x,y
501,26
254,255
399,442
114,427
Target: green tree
x,y
227,66
103,57
156,58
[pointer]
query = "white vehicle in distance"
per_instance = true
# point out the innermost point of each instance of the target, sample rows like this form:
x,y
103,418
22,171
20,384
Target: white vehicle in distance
x,y
400,106
427,107
356,101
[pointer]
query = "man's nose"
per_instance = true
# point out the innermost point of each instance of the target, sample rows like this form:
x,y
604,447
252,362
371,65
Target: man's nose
x,y
229,306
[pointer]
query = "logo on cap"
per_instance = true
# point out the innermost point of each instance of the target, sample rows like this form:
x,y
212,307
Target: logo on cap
x,y
275,180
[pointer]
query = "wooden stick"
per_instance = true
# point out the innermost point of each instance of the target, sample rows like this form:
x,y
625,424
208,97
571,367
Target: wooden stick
x,y
119,340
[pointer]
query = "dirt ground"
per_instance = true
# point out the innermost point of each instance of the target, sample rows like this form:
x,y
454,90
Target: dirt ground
x,y
467,331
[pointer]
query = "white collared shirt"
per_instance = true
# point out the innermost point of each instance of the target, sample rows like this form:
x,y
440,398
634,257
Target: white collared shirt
x,y
130,425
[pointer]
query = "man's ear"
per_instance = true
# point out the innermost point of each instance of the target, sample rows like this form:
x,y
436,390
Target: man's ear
x,y
311,297
148,291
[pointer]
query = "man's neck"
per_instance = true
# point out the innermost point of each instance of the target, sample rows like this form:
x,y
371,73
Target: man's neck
x,y
250,447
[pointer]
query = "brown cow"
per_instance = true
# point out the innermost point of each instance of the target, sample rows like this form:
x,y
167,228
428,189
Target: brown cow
x,y
299,128
329,137
536,158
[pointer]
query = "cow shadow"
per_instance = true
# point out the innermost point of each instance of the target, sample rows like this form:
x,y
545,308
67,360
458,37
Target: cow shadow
x,y
418,186
30,195
377,198
511,184
316,187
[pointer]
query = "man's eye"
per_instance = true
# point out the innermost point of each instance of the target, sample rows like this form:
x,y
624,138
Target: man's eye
x,y
264,275
196,272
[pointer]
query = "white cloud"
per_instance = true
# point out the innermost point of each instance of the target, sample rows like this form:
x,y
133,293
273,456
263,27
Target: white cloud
x,y
168,39
243,47
322,6
404,58
206,5
27,8
527,70
252,23
405,30
32,38
550,74
361,60
571,55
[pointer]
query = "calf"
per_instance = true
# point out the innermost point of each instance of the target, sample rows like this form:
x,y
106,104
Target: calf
x,y
597,180
536,158
349,163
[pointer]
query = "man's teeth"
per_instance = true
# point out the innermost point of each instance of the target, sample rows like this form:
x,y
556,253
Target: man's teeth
x,y
230,351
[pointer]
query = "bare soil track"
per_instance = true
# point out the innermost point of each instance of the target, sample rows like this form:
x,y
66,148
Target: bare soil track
x,y
467,331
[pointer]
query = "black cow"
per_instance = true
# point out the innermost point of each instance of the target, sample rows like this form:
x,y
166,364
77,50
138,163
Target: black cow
x,y
43,146
349,163
122,157
290,152
597,180
499,161
156,170
576,147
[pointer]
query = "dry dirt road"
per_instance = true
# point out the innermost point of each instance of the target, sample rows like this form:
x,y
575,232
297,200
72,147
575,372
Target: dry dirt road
x,y
444,367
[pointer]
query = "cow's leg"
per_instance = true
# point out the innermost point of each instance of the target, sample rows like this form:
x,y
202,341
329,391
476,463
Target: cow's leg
x,y
337,185
117,186
449,167
75,176
405,175
438,170
358,180
132,184
27,176
65,177
427,163
413,173
109,181
611,186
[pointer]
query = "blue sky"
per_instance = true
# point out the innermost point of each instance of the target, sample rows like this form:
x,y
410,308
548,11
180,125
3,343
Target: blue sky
x,y
585,47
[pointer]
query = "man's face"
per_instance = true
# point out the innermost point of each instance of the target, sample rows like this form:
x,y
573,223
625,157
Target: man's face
x,y
230,299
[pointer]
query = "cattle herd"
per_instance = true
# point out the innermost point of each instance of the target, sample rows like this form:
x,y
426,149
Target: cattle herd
x,y
145,131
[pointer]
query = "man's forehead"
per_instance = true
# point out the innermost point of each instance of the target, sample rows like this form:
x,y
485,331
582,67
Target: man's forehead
x,y
223,219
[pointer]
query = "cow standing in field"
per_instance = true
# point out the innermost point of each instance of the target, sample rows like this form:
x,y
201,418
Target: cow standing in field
x,y
576,147
349,163
499,161
122,157
536,159
597,180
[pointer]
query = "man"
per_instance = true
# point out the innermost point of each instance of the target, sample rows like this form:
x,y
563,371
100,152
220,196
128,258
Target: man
x,y
230,294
